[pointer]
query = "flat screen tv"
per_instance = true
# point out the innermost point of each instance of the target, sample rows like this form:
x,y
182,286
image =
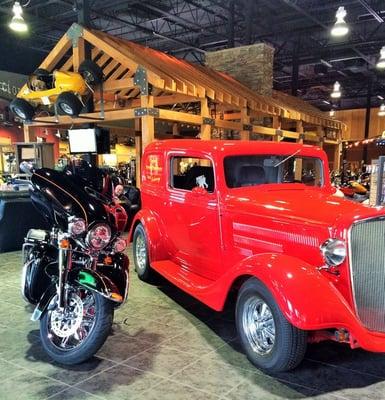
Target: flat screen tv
x,y
82,140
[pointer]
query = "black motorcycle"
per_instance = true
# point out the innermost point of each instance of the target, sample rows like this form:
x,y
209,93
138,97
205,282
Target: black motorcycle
x,y
76,274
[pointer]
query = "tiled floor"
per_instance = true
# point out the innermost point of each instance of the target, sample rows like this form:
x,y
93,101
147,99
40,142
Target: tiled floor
x,y
165,345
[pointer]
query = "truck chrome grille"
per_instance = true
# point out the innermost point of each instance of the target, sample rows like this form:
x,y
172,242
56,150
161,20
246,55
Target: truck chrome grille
x,y
367,263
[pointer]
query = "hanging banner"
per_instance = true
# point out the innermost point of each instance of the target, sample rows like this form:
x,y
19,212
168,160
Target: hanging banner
x,y
10,84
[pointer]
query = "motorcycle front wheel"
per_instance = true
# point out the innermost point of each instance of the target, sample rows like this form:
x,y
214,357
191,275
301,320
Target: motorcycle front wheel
x,y
73,335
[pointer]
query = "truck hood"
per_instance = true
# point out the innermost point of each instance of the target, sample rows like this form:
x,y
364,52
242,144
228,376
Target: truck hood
x,y
299,203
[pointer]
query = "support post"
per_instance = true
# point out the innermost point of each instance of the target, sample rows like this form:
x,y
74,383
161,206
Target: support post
x,y
148,123
138,150
337,156
277,123
84,19
205,113
27,133
367,121
295,68
245,120
298,165
230,21
321,134
249,21
175,129
299,129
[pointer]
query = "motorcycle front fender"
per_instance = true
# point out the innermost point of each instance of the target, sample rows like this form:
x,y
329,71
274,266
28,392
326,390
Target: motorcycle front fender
x,y
97,282
117,271
43,302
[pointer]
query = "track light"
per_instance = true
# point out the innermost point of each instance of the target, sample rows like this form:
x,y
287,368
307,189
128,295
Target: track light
x,y
340,28
336,93
381,111
17,23
381,61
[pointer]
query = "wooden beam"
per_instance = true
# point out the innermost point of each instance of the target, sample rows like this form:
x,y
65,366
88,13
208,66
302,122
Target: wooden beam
x,y
118,84
115,115
220,123
78,54
180,116
232,116
61,47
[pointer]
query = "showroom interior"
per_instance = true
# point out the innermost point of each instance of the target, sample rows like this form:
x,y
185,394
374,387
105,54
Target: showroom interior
x,y
192,199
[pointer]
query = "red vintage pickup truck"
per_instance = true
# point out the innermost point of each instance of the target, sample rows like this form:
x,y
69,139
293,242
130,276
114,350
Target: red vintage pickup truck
x,y
260,219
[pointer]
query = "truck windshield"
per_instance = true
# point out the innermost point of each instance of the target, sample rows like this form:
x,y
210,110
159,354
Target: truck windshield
x,y
252,170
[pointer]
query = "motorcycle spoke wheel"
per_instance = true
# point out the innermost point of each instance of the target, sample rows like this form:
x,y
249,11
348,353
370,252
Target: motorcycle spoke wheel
x,y
69,328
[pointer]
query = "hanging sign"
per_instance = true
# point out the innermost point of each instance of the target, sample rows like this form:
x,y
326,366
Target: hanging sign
x,y
10,84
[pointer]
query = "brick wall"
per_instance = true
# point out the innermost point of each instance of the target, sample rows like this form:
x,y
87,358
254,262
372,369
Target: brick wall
x,y
251,65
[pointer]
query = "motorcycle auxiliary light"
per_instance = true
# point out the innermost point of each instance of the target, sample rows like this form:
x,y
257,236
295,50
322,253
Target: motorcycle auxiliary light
x,y
120,245
333,251
99,236
77,226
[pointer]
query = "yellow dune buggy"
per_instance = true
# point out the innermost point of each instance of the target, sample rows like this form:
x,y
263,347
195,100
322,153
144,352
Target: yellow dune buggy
x,y
65,91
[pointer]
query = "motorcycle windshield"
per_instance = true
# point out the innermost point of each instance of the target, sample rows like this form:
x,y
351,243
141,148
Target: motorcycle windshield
x,y
56,192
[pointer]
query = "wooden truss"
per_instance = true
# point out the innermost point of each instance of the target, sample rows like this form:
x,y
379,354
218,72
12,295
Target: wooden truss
x,y
145,84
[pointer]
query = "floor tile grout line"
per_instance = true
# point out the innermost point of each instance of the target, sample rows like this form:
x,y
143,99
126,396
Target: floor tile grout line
x,y
179,383
34,372
73,387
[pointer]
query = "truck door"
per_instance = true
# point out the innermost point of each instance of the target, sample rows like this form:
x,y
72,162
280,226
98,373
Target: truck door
x,y
192,215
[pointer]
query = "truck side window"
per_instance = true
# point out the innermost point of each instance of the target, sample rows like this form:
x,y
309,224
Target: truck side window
x,y
188,172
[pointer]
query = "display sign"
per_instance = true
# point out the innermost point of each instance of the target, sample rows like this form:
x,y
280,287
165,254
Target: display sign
x,y
28,153
377,182
10,84
82,140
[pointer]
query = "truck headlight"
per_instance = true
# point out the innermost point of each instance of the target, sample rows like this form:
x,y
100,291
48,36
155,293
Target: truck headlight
x,y
333,252
98,236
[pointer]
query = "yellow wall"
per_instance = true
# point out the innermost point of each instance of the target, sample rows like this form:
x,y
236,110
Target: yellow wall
x,y
355,121
121,153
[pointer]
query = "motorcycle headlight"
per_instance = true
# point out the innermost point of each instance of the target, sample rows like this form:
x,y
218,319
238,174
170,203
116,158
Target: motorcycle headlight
x,y
77,226
120,245
99,236
333,252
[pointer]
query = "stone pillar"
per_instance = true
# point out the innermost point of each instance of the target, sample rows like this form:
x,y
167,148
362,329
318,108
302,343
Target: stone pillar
x,y
251,65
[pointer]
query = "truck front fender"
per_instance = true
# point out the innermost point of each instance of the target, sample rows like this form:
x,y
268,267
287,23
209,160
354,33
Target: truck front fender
x,y
156,237
307,298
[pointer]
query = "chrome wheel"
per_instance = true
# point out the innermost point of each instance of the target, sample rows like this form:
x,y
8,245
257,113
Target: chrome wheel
x,y
66,109
20,113
140,253
69,328
258,325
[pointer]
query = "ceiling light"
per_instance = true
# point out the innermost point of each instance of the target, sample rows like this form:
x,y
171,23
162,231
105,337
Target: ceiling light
x,y
381,61
340,28
336,93
326,102
17,23
380,97
381,111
